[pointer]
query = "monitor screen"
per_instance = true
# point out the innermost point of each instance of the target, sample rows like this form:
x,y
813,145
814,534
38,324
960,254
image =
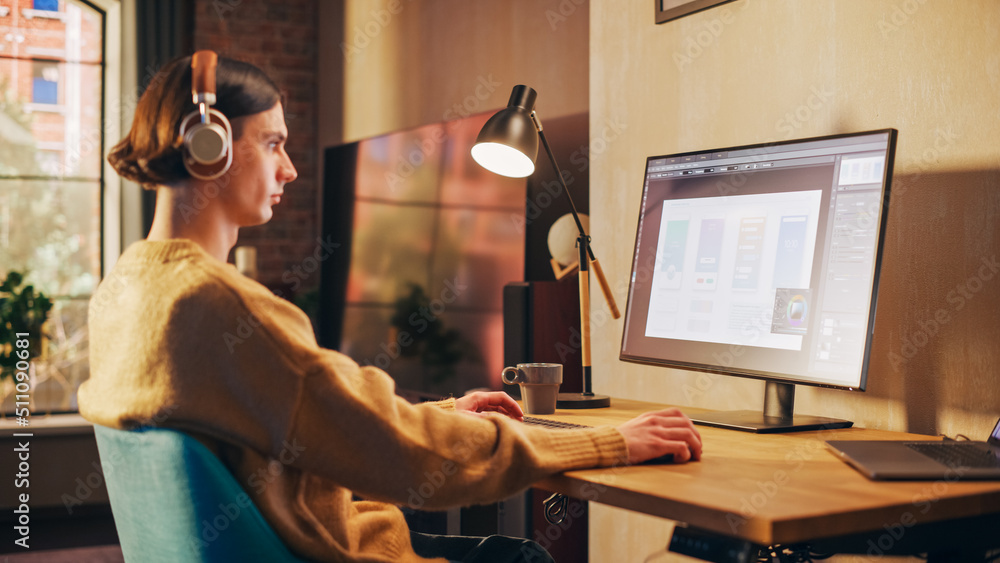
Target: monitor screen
x,y
762,261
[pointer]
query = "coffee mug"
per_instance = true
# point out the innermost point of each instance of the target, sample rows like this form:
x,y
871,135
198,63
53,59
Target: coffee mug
x,y
539,385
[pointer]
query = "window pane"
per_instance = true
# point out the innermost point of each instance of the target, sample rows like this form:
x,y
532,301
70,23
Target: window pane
x,y
51,123
52,229
65,362
45,83
401,167
31,30
52,5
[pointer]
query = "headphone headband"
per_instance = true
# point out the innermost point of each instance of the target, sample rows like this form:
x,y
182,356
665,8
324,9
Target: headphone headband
x,y
203,65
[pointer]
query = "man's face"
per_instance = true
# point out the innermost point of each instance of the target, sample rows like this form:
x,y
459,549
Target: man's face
x,y
260,170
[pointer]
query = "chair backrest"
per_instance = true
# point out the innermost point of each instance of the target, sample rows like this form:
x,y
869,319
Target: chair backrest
x,y
173,500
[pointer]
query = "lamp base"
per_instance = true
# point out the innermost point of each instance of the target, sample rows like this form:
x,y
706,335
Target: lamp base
x,y
582,401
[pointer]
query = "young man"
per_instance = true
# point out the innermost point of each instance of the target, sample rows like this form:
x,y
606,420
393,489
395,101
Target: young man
x,y
179,337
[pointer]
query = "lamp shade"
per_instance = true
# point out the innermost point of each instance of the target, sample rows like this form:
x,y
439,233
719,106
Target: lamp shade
x,y
508,143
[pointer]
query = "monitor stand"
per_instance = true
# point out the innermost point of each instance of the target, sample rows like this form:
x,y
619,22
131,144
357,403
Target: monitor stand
x,y
582,401
777,416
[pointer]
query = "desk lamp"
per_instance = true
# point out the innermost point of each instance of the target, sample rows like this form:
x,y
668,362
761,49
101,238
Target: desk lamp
x,y
508,145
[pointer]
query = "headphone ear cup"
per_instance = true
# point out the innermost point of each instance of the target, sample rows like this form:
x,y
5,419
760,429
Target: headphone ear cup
x,y
206,143
207,146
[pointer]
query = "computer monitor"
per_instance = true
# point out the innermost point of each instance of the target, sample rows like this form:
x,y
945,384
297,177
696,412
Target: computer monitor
x,y
762,261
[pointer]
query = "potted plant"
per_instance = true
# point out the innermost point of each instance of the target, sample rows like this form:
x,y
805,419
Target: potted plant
x,y
421,334
22,310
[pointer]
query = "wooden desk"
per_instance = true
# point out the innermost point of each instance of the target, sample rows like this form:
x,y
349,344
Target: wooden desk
x,y
787,489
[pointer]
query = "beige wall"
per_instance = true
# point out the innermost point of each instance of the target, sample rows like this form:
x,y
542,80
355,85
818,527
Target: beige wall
x,y
757,70
406,63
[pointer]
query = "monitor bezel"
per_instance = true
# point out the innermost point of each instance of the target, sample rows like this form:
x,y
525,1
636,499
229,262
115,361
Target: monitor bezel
x,y
877,268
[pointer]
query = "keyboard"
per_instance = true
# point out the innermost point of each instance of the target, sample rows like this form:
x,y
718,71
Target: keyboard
x,y
534,421
957,454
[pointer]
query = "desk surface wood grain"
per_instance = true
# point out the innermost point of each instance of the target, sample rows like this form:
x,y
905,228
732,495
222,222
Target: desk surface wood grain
x,y
770,488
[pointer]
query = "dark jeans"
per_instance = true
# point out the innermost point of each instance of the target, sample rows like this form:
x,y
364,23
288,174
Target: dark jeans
x,y
467,549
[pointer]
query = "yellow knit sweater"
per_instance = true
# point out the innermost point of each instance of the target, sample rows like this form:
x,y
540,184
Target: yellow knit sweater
x,y
182,340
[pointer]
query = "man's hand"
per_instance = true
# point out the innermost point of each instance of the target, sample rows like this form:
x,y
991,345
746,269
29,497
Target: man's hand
x,y
492,401
658,433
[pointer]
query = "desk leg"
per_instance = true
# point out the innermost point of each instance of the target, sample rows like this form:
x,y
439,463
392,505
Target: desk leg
x,y
513,516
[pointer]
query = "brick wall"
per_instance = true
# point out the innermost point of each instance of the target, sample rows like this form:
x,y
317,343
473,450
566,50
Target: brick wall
x,y
280,38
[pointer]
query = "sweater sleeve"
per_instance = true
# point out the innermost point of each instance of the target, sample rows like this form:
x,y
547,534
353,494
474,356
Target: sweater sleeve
x,y
347,424
354,430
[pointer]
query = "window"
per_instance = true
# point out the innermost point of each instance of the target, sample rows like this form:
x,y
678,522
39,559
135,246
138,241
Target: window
x,y
46,5
45,83
53,89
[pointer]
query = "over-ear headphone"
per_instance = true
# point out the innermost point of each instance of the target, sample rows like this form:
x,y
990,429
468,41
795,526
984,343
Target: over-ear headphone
x,y
206,133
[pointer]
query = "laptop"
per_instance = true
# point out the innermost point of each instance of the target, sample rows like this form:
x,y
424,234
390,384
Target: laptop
x,y
922,460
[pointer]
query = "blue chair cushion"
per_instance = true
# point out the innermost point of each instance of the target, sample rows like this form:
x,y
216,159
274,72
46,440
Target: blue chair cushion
x,y
173,500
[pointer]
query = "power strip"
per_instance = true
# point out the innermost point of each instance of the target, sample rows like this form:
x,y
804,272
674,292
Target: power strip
x,y
709,546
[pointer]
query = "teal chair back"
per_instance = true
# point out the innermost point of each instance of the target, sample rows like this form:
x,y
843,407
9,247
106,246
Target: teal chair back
x,y
173,500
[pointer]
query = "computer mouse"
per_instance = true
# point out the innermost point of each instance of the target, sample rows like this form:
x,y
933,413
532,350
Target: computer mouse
x,y
659,460
663,459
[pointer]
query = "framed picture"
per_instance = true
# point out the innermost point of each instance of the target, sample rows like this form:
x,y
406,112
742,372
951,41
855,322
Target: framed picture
x,y
667,10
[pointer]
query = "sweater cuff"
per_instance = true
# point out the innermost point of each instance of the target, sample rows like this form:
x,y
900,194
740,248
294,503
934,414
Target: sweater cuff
x,y
601,447
447,404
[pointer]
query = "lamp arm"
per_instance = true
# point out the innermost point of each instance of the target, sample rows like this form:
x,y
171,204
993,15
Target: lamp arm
x,y
584,237
558,171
